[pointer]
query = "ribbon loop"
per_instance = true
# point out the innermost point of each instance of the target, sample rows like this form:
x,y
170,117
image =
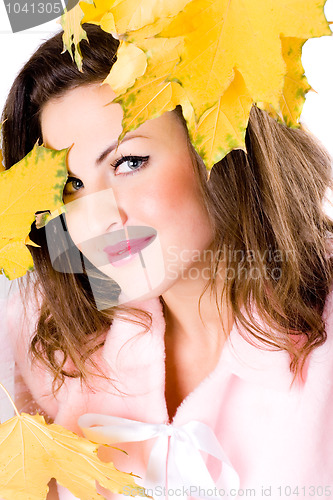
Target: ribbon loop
x,y
175,461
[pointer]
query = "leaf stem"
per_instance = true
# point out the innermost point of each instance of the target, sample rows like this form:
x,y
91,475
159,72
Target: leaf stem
x,y
10,398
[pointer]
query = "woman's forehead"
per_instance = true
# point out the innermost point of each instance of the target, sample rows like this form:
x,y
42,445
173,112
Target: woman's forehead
x,y
78,108
89,109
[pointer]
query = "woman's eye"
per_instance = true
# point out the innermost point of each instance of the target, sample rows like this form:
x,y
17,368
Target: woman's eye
x,y
73,185
127,164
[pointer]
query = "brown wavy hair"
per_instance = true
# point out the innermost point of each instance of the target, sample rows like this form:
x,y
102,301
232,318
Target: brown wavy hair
x,y
266,207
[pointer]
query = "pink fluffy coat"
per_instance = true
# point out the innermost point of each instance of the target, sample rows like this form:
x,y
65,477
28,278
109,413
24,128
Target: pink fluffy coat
x,y
275,434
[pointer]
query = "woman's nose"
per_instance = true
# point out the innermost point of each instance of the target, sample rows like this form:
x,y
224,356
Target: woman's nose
x,y
99,213
103,212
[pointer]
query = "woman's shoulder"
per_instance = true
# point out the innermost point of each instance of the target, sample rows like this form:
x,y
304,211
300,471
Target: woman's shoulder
x,y
32,385
22,314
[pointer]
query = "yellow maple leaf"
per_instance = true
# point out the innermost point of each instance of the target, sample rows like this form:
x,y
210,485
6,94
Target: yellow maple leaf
x,y
42,218
131,15
108,24
224,35
253,48
260,41
223,126
33,185
131,64
295,84
15,258
73,33
94,11
139,103
131,21
32,452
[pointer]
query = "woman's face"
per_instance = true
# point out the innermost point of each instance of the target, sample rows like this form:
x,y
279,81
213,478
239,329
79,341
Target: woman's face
x,y
134,211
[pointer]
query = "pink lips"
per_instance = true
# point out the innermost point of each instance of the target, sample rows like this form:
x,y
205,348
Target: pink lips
x,y
125,249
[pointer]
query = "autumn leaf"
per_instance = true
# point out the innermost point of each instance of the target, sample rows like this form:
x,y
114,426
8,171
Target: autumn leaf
x,y
32,452
227,46
138,103
73,33
94,11
230,47
34,184
295,84
15,258
223,126
222,35
132,21
42,218
107,24
131,64
131,15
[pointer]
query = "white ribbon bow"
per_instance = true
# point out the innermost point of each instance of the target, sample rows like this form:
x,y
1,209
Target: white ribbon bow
x,y
175,462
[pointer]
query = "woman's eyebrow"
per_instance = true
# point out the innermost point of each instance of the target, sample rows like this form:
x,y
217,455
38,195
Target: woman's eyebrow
x,y
114,145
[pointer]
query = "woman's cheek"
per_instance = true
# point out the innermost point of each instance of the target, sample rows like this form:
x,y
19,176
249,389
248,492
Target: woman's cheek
x,y
153,204
74,227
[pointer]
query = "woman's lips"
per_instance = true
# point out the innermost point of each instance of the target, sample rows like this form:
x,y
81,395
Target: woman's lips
x,y
127,248
119,246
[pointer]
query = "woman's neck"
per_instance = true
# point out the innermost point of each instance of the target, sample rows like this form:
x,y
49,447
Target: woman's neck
x,y
182,315
193,340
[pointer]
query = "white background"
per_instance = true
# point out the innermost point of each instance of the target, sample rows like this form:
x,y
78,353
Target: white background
x,y
317,58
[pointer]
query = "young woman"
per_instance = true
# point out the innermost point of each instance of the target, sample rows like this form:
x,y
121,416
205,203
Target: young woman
x,y
216,315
